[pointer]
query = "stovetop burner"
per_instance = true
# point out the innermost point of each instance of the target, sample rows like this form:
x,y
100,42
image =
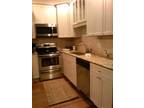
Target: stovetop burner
x,y
46,48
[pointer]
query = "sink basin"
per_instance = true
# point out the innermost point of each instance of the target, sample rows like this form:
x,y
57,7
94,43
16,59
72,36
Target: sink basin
x,y
77,53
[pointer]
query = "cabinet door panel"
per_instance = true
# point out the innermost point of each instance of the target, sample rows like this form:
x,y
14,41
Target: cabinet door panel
x,y
70,68
94,14
71,19
35,69
96,89
44,14
108,17
33,26
63,18
79,14
107,94
101,86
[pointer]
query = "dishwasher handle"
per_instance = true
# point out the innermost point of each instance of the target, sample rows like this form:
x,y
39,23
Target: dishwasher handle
x,y
83,63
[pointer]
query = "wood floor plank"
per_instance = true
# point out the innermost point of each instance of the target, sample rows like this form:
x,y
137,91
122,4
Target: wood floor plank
x,y
78,103
39,99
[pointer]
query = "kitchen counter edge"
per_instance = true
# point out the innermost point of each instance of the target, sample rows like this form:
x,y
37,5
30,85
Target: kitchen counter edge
x,y
101,61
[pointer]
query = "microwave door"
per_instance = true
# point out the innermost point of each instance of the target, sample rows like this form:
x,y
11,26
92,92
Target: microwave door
x,y
44,31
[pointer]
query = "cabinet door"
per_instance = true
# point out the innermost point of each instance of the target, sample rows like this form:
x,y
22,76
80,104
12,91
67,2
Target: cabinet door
x,y
71,19
45,14
96,84
83,8
99,17
79,13
108,17
65,69
33,26
35,69
107,93
94,14
69,67
101,86
63,18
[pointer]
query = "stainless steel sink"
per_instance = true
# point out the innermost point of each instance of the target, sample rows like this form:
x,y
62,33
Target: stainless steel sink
x,y
77,53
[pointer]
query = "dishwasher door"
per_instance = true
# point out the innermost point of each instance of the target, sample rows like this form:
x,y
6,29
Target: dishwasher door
x,y
83,76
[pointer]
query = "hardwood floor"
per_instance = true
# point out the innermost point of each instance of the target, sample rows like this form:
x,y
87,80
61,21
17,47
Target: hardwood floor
x,y
39,99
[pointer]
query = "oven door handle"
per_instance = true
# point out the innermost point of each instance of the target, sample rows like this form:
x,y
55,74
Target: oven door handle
x,y
49,55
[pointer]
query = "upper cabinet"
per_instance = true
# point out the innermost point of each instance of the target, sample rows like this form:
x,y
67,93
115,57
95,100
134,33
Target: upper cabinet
x,y
63,18
60,14
99,17
108,17
33,27
71,19
44,14
79,16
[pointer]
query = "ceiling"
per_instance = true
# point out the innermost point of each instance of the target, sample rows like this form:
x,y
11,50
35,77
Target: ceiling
x,y
48,1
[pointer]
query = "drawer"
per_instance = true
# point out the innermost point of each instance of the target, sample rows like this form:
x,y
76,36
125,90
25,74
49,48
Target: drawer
x,y
104,72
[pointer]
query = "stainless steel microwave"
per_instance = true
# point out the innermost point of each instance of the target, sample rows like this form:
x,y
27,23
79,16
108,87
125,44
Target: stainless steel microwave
x,y
46,30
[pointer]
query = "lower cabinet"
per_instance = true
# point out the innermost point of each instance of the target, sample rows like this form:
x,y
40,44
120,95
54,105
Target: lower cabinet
x,y
96,89
101,86
107,93
69,64
35,66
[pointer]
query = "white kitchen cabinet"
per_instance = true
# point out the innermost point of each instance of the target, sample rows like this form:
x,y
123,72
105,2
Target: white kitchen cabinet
x,y
33,31
96,88
71,19
94,17
33,27
69,68
107,93
101,86
44,14
108,17
35,66
63,18
79,16
99,17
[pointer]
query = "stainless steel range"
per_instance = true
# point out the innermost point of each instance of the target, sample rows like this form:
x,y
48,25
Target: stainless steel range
x,y
48,61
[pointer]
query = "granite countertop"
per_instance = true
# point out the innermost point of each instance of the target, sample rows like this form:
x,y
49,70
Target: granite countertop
x,y
105,62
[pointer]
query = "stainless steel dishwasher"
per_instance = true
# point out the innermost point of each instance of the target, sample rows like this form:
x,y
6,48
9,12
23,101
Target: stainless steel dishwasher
x,y
83,76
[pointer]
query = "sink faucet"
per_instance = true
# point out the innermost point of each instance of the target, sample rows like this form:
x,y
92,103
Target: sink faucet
x,y
107,54
82,44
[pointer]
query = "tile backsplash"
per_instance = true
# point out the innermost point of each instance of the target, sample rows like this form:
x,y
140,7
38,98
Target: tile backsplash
x,y
97,43
60,42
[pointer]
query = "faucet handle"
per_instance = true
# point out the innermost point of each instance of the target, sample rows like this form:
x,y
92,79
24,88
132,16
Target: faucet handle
x,y
108,54
88,50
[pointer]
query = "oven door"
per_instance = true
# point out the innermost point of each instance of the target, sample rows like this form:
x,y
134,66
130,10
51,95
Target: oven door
x,y
49,62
